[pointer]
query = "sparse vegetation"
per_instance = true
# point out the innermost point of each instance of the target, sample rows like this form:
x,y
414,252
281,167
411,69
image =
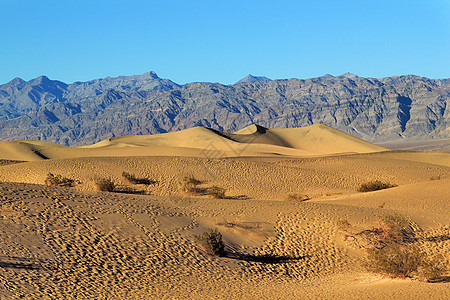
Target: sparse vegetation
x,y
391,250
375,186
343,224
191,180
237,224
132,179
399,260
105,184
190,186
398,226
391,229
211,242
58,180
216,192
297,197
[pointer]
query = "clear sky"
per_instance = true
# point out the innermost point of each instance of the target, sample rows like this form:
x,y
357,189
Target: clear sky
x,y
222,41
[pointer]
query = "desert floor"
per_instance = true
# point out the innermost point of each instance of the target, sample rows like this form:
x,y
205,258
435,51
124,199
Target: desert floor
x,y
138,243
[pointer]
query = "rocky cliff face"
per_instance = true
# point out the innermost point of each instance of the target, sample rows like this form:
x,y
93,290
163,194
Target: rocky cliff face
x,y
377,110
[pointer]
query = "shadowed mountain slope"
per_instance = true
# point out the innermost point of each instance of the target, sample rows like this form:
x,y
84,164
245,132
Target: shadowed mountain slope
x,y
399,108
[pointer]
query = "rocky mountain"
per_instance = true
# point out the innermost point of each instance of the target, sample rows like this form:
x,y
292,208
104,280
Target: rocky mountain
x,y
399,108
251,78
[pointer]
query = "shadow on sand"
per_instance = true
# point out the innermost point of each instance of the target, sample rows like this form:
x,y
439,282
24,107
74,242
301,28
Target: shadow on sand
x,y
265,258
19,263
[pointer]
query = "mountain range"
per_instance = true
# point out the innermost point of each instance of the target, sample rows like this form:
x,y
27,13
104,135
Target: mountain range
x,y
391,109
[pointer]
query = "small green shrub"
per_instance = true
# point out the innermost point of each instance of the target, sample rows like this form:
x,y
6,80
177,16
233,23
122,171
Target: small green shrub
x,y
58,180
216,192
375,186
211,242
134,180
105,184
297,197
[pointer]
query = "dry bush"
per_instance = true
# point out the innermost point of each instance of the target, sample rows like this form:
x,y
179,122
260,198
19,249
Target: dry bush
x,y
398,226
397,260
132,179
211,242
237,224
375,186
343,224
391,229
297,197
392,252
191,180
105,184
190,186
216,192
58,180
432,268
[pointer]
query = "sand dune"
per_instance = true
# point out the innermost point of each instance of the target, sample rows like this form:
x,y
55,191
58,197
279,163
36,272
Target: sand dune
x,y
78,243
203,142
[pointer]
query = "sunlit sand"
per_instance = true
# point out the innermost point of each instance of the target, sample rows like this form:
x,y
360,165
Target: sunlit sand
x,y
77,242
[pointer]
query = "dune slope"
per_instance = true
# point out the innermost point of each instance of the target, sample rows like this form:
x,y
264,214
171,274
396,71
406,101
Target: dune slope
x,y
203,142
287,192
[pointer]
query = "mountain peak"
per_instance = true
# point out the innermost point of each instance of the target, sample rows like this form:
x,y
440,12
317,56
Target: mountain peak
x,y
16,82
149,75
251,78
349,75
39,80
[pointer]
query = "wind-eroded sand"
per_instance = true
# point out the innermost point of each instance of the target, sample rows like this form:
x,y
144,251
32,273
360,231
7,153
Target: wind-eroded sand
x,y
62,243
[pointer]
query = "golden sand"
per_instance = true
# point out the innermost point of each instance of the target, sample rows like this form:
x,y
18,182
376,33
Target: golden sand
x,y
77,243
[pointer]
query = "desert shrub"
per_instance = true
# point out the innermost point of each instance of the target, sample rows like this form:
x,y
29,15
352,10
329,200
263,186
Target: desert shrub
x,y
398,224
432,268
190,186
391,250
216,192
343,224
58,180
211,242
131,178
375,186
391,229
236,224
191,180
297,197
194,190
105,184
398,260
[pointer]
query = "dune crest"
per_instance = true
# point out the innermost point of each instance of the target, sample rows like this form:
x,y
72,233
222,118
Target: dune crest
x,y
254,140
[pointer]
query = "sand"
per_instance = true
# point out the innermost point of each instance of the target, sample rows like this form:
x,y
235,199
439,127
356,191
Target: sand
x,y
78,243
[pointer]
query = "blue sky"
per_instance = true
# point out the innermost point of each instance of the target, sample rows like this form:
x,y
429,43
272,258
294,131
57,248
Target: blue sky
x,y
222,41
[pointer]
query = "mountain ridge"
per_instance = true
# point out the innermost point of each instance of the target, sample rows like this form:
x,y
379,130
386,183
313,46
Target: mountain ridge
x,y
251,78
397,108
